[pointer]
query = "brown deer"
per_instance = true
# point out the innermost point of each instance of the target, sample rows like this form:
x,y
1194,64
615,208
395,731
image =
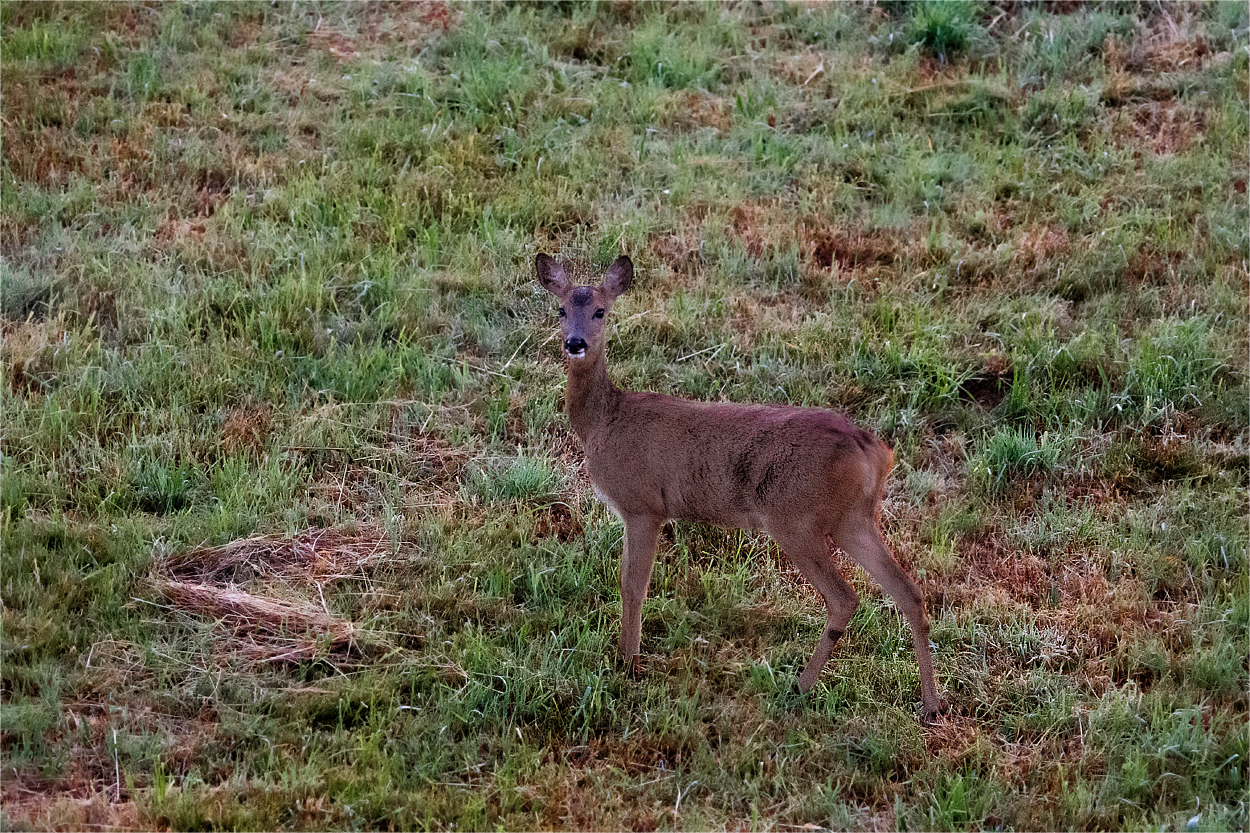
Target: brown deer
x,y
806,476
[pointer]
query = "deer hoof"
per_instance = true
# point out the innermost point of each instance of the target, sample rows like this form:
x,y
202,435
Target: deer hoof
x,y
929,716
632,666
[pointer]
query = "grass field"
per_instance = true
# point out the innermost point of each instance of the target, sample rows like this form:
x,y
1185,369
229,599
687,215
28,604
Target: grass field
x,y
294,532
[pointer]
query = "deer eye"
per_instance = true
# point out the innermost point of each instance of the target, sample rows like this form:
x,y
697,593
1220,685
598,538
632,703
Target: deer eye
x,y
599,313
561,313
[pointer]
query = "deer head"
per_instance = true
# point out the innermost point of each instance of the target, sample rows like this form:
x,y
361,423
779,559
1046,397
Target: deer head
x,y
584,309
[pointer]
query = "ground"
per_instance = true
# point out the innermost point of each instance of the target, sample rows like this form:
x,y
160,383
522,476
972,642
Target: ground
x,y
295,534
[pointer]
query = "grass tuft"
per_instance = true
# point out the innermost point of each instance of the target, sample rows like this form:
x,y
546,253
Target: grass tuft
x,y
946,28
1010,454
520,479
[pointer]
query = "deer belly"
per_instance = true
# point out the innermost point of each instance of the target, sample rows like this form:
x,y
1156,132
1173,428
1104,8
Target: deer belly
x,y
727,517
657,501
698,496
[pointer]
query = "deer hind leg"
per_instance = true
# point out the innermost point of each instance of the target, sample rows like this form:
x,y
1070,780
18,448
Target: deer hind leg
x,y
809,553
641,533
861,539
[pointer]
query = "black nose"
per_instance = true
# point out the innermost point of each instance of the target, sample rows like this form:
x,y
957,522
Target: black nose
x,y
575,345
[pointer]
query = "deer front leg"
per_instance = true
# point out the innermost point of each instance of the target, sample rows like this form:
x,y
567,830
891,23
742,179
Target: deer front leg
x,y
641,533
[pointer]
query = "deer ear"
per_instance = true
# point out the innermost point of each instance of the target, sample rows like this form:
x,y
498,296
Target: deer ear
x,y
619,276
551,275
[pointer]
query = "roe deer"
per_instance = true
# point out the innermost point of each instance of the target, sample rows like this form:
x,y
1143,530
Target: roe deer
x,y
806,476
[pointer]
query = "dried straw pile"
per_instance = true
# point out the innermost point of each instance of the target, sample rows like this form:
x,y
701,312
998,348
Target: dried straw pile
x,y
208,582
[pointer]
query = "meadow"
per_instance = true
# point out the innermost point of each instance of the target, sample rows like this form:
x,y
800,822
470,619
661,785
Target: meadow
x,y
293,528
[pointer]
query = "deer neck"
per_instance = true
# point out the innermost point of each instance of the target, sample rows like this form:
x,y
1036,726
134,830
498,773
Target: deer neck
x,y
592,398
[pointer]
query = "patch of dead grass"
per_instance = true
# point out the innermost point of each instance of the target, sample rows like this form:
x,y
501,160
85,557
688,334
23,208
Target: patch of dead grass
x,y
953,737
67,804
315,553
408,21
802,68
244,32
763,227
751,318
338,45
1168,43
42,157
27,350
354,489
1068,594
176,233
1163,127
423,458
263,628
688,110
678,254
1038,244
285,624
558,521
845,252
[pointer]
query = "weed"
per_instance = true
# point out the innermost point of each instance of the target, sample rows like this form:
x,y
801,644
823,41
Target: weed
x,y
50,44
160,487
657,57
1056,113
24,295
961,801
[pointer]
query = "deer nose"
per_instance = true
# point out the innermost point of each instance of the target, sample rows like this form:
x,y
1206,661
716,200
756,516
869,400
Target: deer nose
x,y
575,345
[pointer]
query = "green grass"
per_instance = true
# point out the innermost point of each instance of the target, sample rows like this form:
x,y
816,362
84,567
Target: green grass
x,y
268,269
944,29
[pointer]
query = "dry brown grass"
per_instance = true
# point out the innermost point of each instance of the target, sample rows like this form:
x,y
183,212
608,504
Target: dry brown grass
x,y
688,110
26,349
290,622
266,629
246,429
1169,43
802,68
763,227
339,46
315,553
31,802
847,253
1166,127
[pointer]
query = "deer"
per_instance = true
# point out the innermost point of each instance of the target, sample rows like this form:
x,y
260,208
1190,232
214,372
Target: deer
x,y
807,477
